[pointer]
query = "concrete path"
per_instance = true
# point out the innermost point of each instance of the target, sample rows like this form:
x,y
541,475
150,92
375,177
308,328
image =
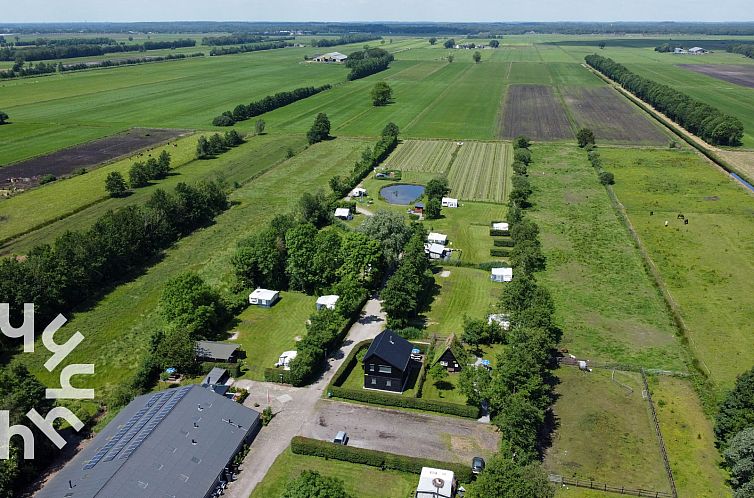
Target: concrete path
x,y
293,407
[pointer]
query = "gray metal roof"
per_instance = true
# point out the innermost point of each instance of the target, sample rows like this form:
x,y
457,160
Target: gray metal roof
x,y
215,350
174,443
391,348
215,376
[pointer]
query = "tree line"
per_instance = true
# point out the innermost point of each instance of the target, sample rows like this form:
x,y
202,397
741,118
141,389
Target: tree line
x,y
701,119
235,39
267,104
218,144
42,42
743,49
734,432
71,51
240,49
368,61
345,39
20,69
125,62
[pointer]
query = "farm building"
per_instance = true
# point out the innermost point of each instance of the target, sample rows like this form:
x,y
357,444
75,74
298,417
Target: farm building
x,y
500,225
217,380
451,355
358,192
285,359
436,483
264,297
217,351
437,238
503,320
343,214
449,202
697,51
328,302
335,57
679,50
177,442
502,274
436,251
387,363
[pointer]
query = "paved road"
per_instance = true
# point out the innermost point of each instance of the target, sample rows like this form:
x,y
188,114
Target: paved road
x,y
293,407
450,439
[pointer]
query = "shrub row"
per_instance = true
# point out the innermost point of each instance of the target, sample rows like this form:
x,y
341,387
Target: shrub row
x,y
71,51
234,369
324,449
267,104
126,62
506,242
342,374
747,50
500,252
386,399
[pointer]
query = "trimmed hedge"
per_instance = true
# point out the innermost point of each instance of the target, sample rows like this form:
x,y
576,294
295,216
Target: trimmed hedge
x,y
324,449
502,252
499,233
385,399
348,364
234,369
507,242
273,375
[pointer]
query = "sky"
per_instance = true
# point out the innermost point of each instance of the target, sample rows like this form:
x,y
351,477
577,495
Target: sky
x,y
374,10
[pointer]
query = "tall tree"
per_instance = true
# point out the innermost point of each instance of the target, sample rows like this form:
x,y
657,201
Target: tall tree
x,y
494,43
115,184
737,410
389,229
432,40
449,43
310,484
320,130
190,304
585,137
301,243
381,94
259,126
477,56
505,478
739,459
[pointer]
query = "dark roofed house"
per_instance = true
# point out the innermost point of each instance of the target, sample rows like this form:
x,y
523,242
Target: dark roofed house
x,y
451,355
217,380
175,443
216,351
387,363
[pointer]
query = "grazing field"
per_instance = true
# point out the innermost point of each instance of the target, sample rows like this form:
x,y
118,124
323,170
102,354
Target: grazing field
x,y
359,480
689,439
740,75
611,438
612,117
264,333
432,156
481,171
706,264
534,111
605,302
117,328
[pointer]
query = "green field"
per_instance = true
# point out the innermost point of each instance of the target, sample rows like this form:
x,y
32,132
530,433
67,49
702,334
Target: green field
x,y
468,229
481,172
706,265
431,156
605,302
359,480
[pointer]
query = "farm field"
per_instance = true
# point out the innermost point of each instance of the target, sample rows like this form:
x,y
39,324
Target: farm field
x,y
743,161
605,303
612,117
611,439
706,264
118,327
432,156
536,112
381,483
481,171
264,333
739,75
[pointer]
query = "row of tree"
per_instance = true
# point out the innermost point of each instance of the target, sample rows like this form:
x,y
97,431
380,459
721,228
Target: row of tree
x,y
435,190
368,61
345,39
241,49
743,49
79,265
71,51
21,69
697,117
267,104
125,62
734,431
43,42
218,144
235,39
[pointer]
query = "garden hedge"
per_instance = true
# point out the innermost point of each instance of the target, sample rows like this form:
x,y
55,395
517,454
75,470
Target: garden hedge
x,y
305,446
498,233
505,242
348,364
234,369
502,252
386,399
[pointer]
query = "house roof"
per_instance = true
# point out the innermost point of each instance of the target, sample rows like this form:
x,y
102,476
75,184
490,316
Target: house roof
x,y
428,480
216,350
264,294
328,300
419,205
161,444
449,199
215,376
391,348
344,212
504,272
451,343
336,55
436,248
500,225
440,237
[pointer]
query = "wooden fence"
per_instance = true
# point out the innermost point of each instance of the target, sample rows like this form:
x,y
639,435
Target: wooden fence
x,y
601,486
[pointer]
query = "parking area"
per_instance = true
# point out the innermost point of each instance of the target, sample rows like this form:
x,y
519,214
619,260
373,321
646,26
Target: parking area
x,y
407,433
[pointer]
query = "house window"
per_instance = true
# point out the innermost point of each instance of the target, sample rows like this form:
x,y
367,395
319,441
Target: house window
x,y
385,369
371,368
388,383
374,381
444,363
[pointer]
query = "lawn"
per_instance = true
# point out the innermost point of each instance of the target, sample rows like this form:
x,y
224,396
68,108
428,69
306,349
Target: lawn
x,y
359,480
117,328
466,291
264,333
468,229
608,439
445,390
706,264
605,302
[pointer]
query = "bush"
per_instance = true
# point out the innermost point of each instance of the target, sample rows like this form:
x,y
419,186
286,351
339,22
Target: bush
x,y
500,252
324,449
223,120
410,333
48,178
387,399
234,369
503,242
606,178
522,156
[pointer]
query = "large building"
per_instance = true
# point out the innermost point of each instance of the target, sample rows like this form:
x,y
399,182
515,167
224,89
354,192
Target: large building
x,y
177,443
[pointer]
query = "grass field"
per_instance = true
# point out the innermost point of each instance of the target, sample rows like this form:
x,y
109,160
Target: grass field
x,y
445,390
706,265
431,156
605,302
481,172
118,327
264,333
468,229
360,480
610,439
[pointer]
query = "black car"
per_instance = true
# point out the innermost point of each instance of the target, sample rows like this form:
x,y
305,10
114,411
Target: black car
x,y
477,465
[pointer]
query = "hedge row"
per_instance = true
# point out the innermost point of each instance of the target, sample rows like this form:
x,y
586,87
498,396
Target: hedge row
x,y
499,233
507,242
234,369
305,446
345,369
385,399
501,252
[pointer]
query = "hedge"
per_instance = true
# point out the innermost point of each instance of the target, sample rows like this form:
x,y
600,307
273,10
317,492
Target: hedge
x,y
234,369
385,399
507,242
498,233
501,252
324,449
346,368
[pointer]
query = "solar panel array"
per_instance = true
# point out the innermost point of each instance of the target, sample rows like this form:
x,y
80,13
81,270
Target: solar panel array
x,y
153,412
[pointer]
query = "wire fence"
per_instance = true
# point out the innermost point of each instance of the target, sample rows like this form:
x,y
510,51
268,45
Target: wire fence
x,y
601,486
660,440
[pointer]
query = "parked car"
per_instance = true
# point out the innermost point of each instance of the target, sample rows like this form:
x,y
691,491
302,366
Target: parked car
x,y
477,465
342,438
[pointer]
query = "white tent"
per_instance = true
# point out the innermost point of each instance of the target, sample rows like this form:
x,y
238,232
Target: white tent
x,y
327,302
264,297
436,483
449,202
285,359
358,192
343,213
501,225
437,238
436,251
502,274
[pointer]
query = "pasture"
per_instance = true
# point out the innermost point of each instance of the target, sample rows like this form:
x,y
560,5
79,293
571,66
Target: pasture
x,y
706,264
536,112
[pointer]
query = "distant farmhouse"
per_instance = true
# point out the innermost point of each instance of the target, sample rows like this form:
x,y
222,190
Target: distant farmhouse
x,y
332,57
178,442
697,51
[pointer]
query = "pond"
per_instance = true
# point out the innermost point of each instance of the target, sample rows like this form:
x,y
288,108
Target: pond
x,y
402,193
